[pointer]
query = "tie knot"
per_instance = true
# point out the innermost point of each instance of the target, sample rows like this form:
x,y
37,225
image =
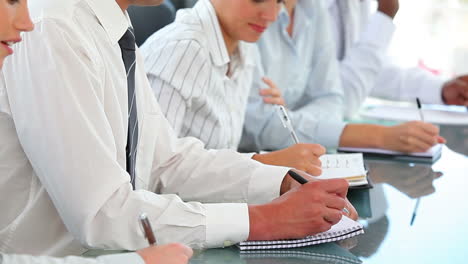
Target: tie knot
x,y
128,40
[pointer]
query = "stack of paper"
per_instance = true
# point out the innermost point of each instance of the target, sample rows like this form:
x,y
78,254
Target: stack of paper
x,y
344,166
344,229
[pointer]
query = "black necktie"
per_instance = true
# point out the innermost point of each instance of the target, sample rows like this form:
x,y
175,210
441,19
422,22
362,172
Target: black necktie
x,y
127,45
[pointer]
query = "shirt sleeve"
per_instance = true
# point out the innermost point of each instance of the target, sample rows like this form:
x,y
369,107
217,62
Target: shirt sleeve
x,y
128,258
317,116
363,61
405,84
59,112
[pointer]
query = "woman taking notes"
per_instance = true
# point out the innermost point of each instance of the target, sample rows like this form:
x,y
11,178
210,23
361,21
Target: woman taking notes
x,y
201,66
14,19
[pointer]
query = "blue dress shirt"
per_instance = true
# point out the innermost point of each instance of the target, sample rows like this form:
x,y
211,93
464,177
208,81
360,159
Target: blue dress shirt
x,y
305,69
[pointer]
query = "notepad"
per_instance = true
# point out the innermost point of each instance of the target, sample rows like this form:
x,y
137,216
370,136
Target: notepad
x,y
344,166
344,229
432,155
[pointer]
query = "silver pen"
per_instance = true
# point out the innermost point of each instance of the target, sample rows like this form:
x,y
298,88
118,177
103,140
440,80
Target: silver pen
x,y
283,115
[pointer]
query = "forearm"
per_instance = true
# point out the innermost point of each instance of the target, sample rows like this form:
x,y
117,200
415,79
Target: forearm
x,y
362,135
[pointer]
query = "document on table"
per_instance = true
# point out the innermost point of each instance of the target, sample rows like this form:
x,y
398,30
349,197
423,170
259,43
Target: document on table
x,y
344,229
447,115
344,166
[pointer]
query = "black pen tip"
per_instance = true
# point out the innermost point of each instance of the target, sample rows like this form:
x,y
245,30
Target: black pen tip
x,y
418,102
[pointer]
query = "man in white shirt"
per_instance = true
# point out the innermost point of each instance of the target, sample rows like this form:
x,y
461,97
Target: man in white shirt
x,y
75,109
362,40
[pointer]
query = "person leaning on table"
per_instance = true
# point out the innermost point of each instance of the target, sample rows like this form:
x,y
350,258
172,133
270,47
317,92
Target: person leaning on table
x,y
361,39
73,126
14,19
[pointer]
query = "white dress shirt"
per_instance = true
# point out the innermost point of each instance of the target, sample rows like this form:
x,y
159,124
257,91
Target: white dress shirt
x,y
63,122
305,70
362,39
187,64
128,258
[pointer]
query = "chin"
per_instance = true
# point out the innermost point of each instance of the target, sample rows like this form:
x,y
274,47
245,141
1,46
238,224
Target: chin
x,y
252,38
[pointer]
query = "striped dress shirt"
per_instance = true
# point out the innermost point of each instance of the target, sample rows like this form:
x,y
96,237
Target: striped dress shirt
x,y
202,91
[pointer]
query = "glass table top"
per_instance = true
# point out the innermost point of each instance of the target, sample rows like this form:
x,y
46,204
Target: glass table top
x,y
439,233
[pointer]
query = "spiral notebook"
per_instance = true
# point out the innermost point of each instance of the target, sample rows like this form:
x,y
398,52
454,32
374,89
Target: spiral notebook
x,y
344,229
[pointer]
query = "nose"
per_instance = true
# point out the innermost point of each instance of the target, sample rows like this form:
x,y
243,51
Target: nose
x,y
22,20
270,13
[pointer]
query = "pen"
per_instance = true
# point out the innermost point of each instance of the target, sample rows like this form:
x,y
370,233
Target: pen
x,y
283,114
418,102
145,224
297,177
419,108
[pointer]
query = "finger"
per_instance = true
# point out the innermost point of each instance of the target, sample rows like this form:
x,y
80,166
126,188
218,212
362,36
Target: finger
x,y
427,128
417,145
273,100
318,150
270,92
336,186
187,251
315,161
332,216
423,132
351,211
269,82
334,201
441,140
314,170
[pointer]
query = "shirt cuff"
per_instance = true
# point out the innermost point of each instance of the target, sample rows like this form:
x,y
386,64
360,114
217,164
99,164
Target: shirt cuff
x,y
249,155
126,258
226,224
329,133
265,183
379,31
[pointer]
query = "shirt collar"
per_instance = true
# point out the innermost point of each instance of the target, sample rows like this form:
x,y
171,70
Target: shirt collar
x,y
302,16
110,16
212,28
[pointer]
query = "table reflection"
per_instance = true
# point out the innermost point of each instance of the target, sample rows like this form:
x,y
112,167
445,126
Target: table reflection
x,y
412,179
